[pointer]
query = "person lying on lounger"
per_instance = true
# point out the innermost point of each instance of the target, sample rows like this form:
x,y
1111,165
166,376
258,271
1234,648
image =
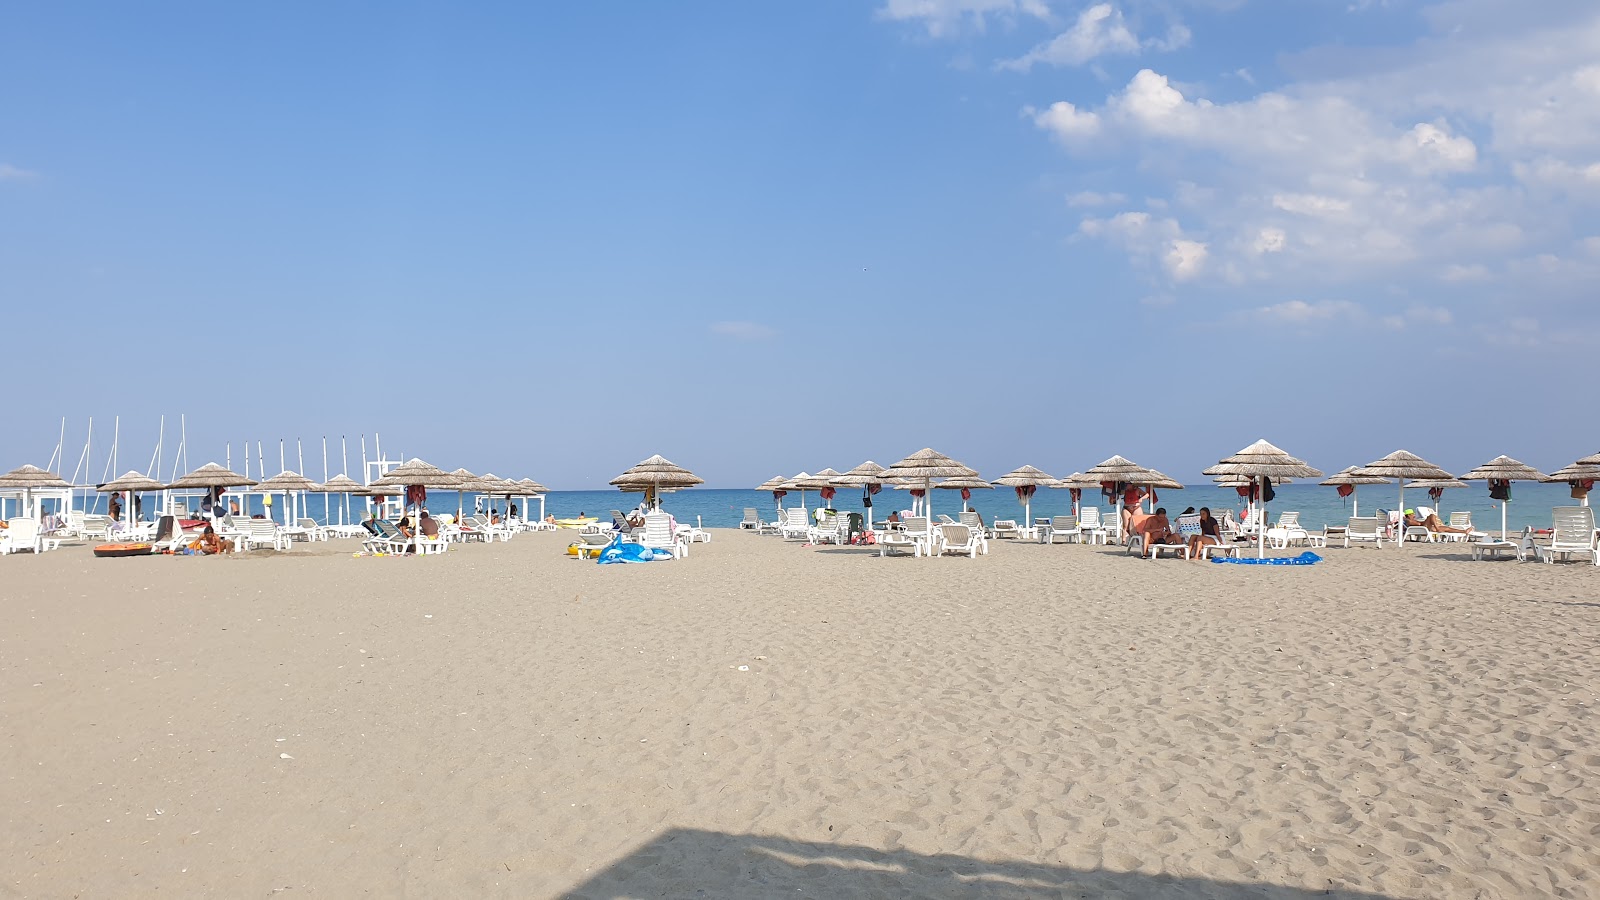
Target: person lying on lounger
x,y
1430,521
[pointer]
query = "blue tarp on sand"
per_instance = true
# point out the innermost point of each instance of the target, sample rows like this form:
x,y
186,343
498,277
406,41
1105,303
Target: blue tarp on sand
x,y
1305,559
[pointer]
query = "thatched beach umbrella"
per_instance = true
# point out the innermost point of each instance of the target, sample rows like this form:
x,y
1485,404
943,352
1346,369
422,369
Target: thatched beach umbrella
x,y
966,486
1262,461
469,482
653,474
28,479
214,479
1435,488
1121,472
775,484
1347,480
924,466
416,476
131,483
344,486
1027,480
1399,466
1500,472
1581,474
288,482
821,482
870,477
1075,484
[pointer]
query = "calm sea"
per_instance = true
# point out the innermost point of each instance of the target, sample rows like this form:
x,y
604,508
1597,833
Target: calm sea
x,y
1531,503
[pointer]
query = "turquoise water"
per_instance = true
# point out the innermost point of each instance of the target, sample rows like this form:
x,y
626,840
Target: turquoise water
x,y
1531,503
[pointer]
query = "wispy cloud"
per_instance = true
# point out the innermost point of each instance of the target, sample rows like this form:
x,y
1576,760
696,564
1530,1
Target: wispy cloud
x,y
9,172
1100,30
744,331
942,18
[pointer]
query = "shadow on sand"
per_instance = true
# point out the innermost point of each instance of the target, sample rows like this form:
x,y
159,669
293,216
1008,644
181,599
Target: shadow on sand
x,y
713,865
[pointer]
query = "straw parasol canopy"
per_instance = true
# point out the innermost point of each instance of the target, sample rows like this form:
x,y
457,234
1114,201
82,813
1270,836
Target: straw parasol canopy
x,y
1351,476
28,478
1402,464
1027,476
532,487
864,475
1263,460
659,472
1026,480
131,481
964,483
1430,484
382,490
1504,468
1123,471
805,482
288,481
1164,481
340,484
927,464
467,479
1260,462
775,483
416,472
919,470
1575,472
211,475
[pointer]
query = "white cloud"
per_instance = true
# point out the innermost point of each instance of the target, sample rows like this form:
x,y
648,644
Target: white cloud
x,y
1065,122
744,331
945,17
1457,273
1184,259
1270,240
1429,315
1299,312
1095,198
1310,204
9,172
1099,31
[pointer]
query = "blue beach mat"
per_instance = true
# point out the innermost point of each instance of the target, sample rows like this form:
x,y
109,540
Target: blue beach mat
x,y
619,551
1305,559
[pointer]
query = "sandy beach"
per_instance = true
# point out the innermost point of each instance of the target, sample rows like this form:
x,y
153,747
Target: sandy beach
x,y
764,719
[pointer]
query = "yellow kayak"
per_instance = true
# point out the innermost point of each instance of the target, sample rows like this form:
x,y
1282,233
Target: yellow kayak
x,y
576,523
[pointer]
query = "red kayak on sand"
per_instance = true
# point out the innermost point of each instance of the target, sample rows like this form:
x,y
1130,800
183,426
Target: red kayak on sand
x,y
123,550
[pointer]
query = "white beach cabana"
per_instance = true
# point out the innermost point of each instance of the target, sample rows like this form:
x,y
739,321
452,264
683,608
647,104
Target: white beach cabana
x,y
31,484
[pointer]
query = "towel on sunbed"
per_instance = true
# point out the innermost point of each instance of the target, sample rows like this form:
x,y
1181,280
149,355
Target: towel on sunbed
x,y
1305,559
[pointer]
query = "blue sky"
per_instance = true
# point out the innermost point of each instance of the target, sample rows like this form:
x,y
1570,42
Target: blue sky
x,y
552,239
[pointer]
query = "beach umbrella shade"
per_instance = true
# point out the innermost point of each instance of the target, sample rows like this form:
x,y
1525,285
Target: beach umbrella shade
x,y
1262,461
210,476
468,482
28,479
1348,477
653,474
775,484
793,484
1581,475
966,486
1027,480
287,482
821,482
343,485
870,477
416,476
1121,472
131,483
920,469
1075,484
1500,472
1399,466
1435,488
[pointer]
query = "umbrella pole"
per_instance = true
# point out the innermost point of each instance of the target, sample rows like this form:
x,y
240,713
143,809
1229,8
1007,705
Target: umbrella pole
x,y
1503,518
1400,531
1355,501
1027,511
1261,526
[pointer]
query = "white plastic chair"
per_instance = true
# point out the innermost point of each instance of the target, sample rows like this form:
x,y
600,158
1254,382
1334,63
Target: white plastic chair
x,y
657,535
1571,532
961,540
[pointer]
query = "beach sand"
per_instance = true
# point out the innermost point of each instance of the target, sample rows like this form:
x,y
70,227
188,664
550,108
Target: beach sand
x,y
764,719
